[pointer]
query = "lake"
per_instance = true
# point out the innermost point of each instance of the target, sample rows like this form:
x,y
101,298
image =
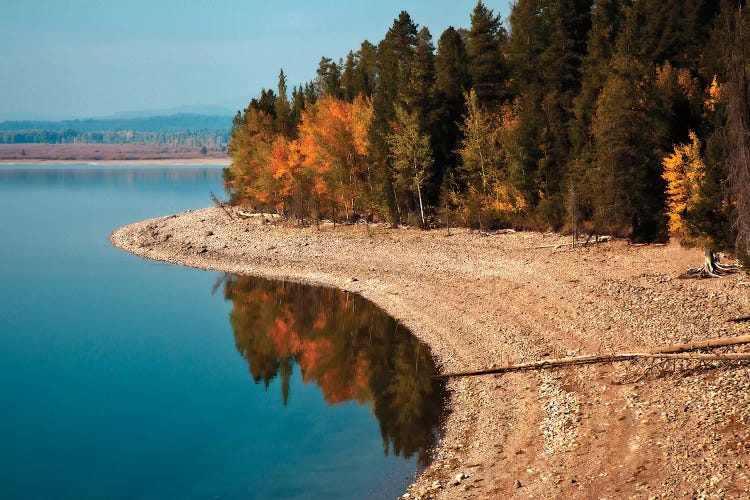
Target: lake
x,y
127,378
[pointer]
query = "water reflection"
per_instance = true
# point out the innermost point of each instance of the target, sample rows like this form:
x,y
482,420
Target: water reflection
x,y
346,346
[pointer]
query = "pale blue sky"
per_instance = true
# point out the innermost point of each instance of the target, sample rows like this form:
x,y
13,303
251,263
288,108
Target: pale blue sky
x,y
80,58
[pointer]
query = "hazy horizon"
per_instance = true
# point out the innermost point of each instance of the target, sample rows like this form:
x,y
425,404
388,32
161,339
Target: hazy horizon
x,y
85,58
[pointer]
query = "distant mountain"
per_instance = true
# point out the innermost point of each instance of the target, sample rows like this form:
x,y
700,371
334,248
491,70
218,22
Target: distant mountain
x,y
169,123
209,110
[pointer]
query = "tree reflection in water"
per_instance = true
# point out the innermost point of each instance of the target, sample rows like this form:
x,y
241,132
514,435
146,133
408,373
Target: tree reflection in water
x,y
348,347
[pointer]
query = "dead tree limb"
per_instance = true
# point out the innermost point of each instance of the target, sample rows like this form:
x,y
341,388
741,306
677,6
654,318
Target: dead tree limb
x,y
676,351
703,344
221,205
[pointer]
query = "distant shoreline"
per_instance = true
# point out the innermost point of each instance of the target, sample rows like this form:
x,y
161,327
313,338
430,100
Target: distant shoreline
x,y
161,161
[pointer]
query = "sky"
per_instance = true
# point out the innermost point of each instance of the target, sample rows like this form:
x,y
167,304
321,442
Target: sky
x,y
83,58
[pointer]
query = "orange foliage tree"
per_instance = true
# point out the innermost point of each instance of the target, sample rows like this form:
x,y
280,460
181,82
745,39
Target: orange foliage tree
x,y
327,167
334,143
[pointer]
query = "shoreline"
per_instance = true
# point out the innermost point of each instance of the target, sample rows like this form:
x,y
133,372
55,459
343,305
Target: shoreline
x,y
477,301
161,161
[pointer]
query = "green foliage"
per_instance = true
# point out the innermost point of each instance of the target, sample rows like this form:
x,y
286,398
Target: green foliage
x,y
411,156
486,63
560,123
628,139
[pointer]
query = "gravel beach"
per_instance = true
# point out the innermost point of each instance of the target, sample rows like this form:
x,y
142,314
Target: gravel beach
x,y
629,430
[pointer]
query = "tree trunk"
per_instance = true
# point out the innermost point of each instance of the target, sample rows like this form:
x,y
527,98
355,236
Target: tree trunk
x,y
421,208
709,260
711,267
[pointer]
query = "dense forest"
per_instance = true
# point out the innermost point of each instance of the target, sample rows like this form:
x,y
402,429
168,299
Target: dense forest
x,y
622,117
184,129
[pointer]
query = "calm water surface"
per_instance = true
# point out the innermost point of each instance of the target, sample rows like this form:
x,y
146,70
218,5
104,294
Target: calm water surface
x,y
127,378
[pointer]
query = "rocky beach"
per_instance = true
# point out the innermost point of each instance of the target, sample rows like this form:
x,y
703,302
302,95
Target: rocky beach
x,y
650,429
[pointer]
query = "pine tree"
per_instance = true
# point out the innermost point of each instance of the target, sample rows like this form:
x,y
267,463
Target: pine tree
x,y
418,94
628,136
452,80
367,68
395,57
282,108
486,63
296,108
735,23
328,81
349,81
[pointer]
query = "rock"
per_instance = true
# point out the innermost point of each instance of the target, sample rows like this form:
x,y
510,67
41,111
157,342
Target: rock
x,y
517,484
355,279
459,477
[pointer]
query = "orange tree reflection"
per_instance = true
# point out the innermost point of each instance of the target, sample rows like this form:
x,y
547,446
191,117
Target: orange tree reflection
x,y
346,346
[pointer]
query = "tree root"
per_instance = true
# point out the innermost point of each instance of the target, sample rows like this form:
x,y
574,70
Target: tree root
x,y
706,272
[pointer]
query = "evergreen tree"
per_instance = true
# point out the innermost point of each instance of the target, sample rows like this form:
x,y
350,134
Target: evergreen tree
x,y
265,103
367,68
452,80
735,23
282,108
349,81
328,81
486,63
630,196
451,66
417,96
296,108
395,57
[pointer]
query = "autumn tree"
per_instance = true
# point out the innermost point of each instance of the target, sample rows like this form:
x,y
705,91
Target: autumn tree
x,y
692,204
334,141
411,155
490,198
247,179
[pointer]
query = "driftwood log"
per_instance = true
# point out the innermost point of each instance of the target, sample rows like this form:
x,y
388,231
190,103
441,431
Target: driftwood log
x,y
676,351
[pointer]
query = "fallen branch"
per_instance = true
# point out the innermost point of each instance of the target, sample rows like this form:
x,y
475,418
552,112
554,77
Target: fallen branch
x,y
599,239
677,351
703,344
221,205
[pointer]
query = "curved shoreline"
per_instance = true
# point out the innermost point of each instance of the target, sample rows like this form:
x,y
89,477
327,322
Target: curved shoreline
x,y
479,301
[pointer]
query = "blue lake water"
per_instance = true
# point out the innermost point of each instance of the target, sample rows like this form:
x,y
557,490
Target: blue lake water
x,y
127,378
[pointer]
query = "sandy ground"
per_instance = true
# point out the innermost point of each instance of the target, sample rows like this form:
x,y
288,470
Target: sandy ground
x,y
604,431
162,161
